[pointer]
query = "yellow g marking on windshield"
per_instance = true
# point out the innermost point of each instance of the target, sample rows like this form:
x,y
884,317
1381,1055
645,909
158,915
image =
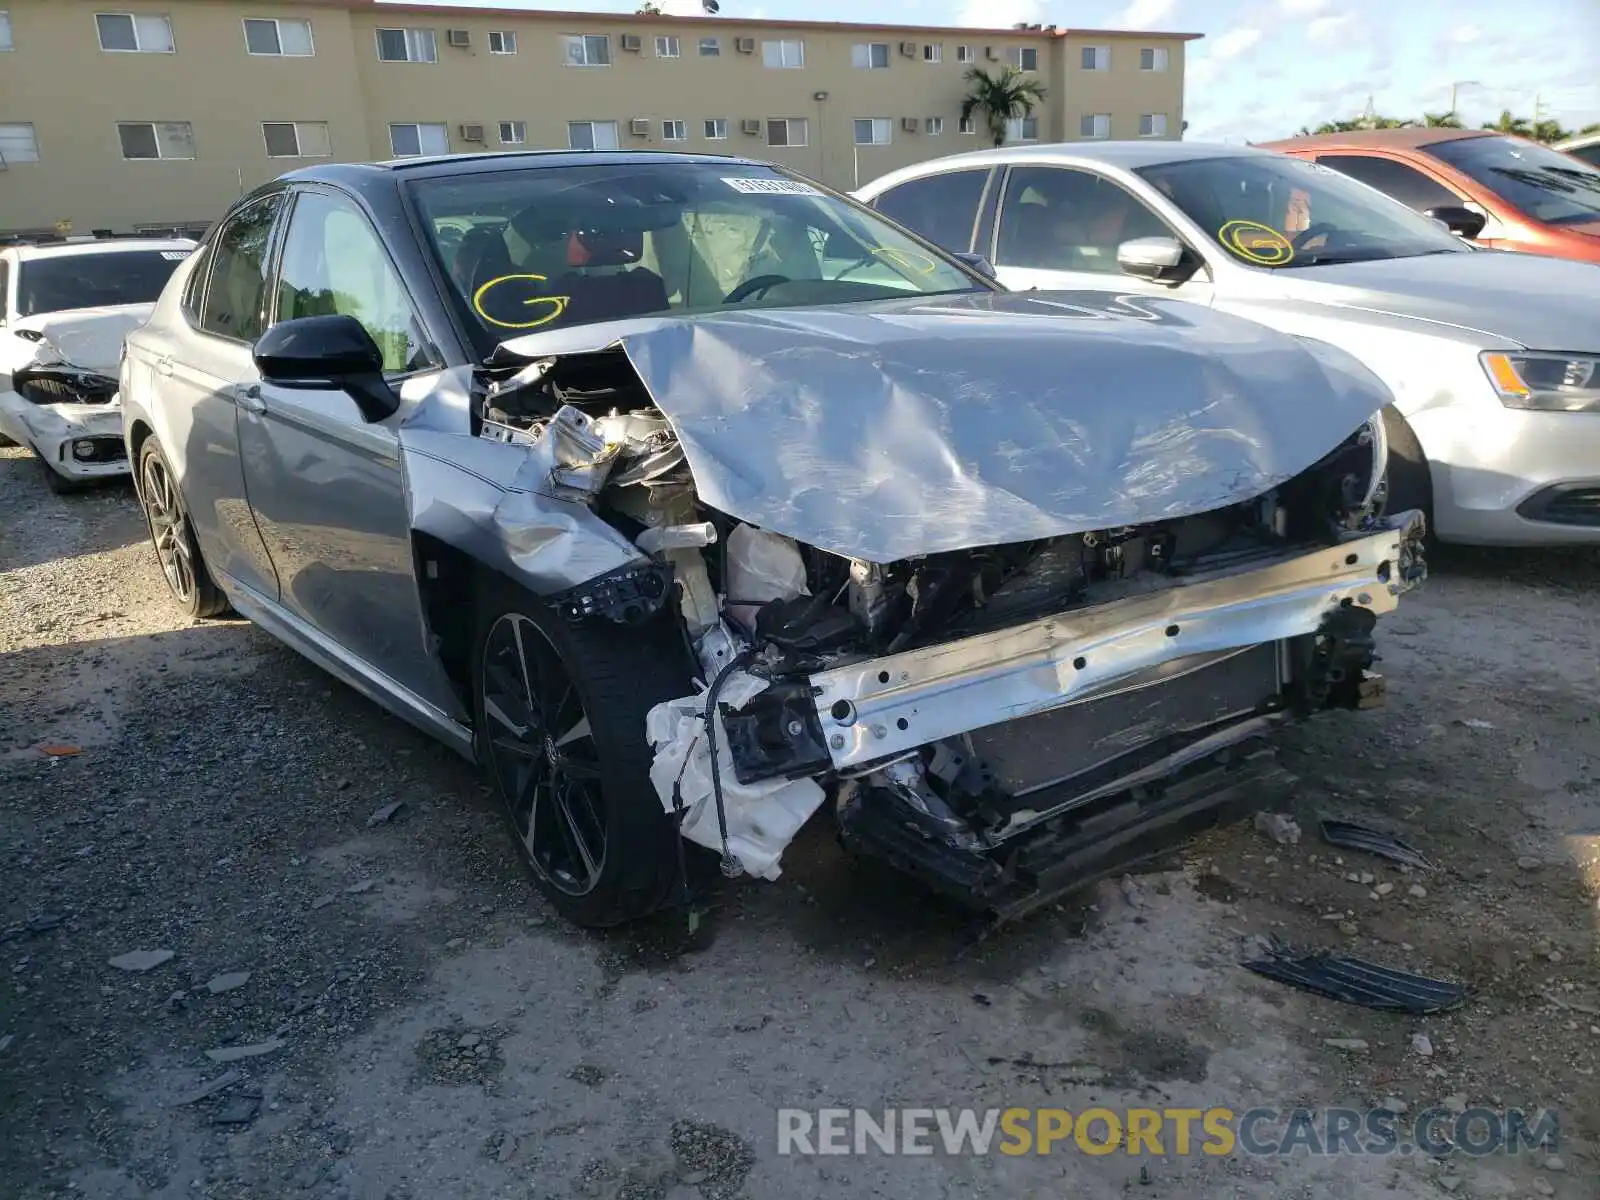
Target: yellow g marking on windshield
x,y
558,304
1257,243
911,260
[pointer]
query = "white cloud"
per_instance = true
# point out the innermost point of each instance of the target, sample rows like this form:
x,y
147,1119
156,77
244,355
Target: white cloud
x,y
1323,29
1233,43
1198,72
1302,8
1000,14
1143,14
1463,34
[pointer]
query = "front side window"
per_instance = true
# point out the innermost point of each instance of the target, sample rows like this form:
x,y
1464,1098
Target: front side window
x,y
566,246
873,131
1058,219
1270,210
791,54
716,129
667,46
297,139
334,264
57,283
592,135
134,33
235,303
18,143
1543,183
273,36
873,56
1153,58
786,131
1406,184
407,45
502,41
587,50
1024,58
943,208
156,139
411,141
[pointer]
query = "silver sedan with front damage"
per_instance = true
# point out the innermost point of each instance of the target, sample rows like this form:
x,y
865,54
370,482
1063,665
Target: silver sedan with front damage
x,y
689,498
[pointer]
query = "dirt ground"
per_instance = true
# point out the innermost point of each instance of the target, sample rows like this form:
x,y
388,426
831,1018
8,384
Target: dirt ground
x,y
419,1025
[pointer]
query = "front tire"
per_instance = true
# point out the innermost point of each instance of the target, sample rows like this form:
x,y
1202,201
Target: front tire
x,y
1410,481
55,480
560,712
173,536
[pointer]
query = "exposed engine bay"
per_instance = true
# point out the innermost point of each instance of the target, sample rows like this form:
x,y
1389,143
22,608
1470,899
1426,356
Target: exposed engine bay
x,y
1004,722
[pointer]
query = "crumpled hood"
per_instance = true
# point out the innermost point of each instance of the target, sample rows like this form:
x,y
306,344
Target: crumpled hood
x,y
895,429
90,338
1537,302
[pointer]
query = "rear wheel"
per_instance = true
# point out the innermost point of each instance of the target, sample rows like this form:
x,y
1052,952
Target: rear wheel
x,y
560,728
173,536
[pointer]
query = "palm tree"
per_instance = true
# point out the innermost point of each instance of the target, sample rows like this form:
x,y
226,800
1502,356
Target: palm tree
x,y
1008,96
1510,124
1548,131
1444,120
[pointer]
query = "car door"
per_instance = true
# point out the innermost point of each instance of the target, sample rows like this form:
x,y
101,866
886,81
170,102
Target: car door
x,y
942,207
326,485
199,374
1059,228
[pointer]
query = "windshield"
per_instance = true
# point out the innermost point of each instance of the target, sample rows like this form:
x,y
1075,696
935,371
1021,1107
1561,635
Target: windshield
x,y
1548,186
65,281
563,246
1285,213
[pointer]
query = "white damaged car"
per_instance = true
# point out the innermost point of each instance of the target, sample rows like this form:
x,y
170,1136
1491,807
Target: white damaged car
x,y
64,309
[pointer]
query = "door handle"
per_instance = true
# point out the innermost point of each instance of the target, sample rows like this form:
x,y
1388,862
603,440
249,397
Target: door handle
x,y
249,398
163,366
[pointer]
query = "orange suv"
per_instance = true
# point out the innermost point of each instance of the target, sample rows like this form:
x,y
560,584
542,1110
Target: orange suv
x,y
1504,192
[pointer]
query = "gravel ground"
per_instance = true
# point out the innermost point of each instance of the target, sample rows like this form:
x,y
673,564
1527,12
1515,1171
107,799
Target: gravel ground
x,y
381,1006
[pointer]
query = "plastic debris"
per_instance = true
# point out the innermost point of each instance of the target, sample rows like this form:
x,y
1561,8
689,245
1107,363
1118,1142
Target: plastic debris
x,y
1348,835
1356,981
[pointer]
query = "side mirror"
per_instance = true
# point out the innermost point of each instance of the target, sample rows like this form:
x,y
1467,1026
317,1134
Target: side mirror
x,y
977,262
1462,222
327,354
1159,259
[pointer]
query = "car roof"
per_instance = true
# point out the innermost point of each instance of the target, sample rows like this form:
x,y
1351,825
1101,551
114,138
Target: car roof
x,y
1129,156
26,252
1577,143
1411,138
358,176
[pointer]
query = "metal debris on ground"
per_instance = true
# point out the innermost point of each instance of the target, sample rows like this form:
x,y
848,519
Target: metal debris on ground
x,y
1348,835
1356,981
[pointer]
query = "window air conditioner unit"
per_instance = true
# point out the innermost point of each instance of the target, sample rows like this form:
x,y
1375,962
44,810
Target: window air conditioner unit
x,y
472,133
459,38
751,125
745,45
988,52
909,124
908,49
639,127
631,42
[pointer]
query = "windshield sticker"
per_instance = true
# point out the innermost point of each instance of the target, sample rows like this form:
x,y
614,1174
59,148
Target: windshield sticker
x,y
909,260
556,304
176,255
770,187
1256,243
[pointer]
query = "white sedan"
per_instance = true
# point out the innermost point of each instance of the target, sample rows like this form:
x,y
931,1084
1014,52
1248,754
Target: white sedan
x,y
64,309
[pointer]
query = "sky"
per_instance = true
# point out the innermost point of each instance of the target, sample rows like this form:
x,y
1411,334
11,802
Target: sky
x,y
1267,67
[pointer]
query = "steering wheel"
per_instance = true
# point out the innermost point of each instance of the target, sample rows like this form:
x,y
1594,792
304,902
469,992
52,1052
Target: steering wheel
x,y
1318,229
754,285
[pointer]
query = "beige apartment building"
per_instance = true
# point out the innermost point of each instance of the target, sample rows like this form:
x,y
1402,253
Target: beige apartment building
x,y
125,114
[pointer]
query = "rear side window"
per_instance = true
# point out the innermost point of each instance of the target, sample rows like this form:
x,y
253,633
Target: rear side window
x,y
5,288
943,208
1406,184
236,289
1589,154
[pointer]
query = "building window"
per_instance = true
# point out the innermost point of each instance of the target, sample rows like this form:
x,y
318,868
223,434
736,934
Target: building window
x,y
134,33
1153,58
1024,58
409,141
5,32
297,139
587,50
674,131
933,52
1153,125
1022,129
592,135
513,133
967,125
717,129
502,41
1094,125
963,54
18,144
934,126
786,131
667,46
1097,58
710,47
784,54
156,139
407,45
872,131
270,36
871,56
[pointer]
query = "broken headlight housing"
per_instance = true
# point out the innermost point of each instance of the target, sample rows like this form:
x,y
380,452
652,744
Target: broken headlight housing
x,y
1376,438
64,385
1543,382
